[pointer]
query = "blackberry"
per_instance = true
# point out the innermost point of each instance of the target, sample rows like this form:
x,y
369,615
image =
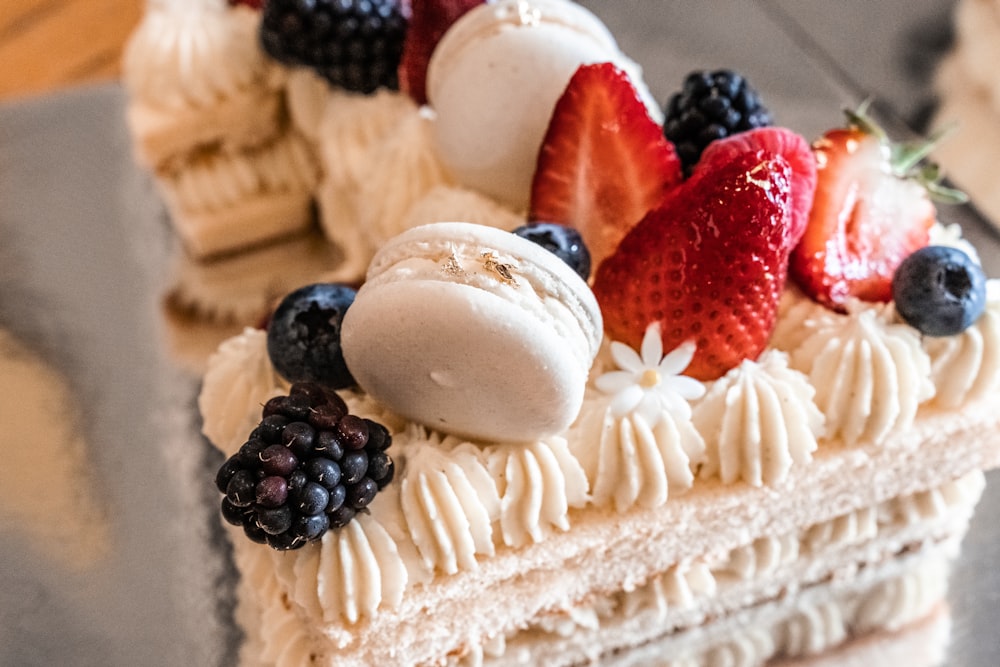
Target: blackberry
x,y
354,44
710,106
304,471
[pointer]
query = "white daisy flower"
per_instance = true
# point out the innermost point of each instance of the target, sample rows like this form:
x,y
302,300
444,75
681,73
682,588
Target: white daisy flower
x,y
649,383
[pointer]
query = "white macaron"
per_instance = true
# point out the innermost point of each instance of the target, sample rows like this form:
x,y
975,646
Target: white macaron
x,y
494,79
473,331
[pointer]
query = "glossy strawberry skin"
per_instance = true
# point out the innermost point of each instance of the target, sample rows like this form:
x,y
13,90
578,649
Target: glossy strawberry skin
x,y
864,222
709,263
604,163
789,145
429,20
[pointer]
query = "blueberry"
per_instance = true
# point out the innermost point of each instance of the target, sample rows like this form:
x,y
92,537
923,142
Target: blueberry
x,y
303,338
564,242
939,290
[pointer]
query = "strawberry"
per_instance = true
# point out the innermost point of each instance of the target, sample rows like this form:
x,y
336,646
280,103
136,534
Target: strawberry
x,y
429,20
708,264
872,209
789,145
604,163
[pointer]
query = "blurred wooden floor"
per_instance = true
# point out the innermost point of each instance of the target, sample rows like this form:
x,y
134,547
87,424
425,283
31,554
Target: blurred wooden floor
x,y
47,45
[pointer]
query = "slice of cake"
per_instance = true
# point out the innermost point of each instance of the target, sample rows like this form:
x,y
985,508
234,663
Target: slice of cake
x,y
744,380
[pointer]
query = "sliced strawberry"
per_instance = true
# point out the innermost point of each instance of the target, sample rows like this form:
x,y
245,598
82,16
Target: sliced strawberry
x,y
789,145
604,162
709,263
429,20
865,220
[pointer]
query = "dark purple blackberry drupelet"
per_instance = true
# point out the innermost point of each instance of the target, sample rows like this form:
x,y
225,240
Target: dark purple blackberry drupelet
x,y
308,467
303,336
562,241
710,106
354,44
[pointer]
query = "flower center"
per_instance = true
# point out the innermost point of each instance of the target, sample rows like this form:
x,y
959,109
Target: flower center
x,y
650,378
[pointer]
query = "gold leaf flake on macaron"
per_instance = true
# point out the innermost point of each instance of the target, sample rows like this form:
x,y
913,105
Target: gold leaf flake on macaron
x,y
502,270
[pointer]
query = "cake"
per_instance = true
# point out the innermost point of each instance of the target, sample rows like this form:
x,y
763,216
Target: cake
x,y
737,406
969,103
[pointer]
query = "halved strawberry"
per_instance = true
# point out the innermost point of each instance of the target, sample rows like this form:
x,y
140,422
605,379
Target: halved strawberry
x,y
429,20
789,145
870,212
604,162
709,263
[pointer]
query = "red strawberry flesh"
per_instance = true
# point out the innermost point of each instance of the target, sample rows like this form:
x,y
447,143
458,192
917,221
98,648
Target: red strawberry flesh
x,y
708,264
865,221
789,145
604,163
429,20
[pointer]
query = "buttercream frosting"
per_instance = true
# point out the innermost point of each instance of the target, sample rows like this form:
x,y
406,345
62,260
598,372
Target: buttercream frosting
x,y
634,435
215,181
351,128
813,629
452,202
449,500
896,602
629,462
869,373
758,421
934,504
239,380
349,574
193,54
849,528
538,483
951,236
761,557
798,318
405,167
966,366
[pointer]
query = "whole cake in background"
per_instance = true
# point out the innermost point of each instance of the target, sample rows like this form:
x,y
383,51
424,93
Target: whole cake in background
x,y
605,375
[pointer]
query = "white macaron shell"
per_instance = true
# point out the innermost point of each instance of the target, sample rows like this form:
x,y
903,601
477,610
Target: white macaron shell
x,y
468,336
494,80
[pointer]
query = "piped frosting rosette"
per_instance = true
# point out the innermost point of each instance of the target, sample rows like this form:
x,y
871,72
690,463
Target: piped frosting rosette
x,y
869,373
635,436
758,421
448,498
538,483
240,379
164,59
352,572
967,366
